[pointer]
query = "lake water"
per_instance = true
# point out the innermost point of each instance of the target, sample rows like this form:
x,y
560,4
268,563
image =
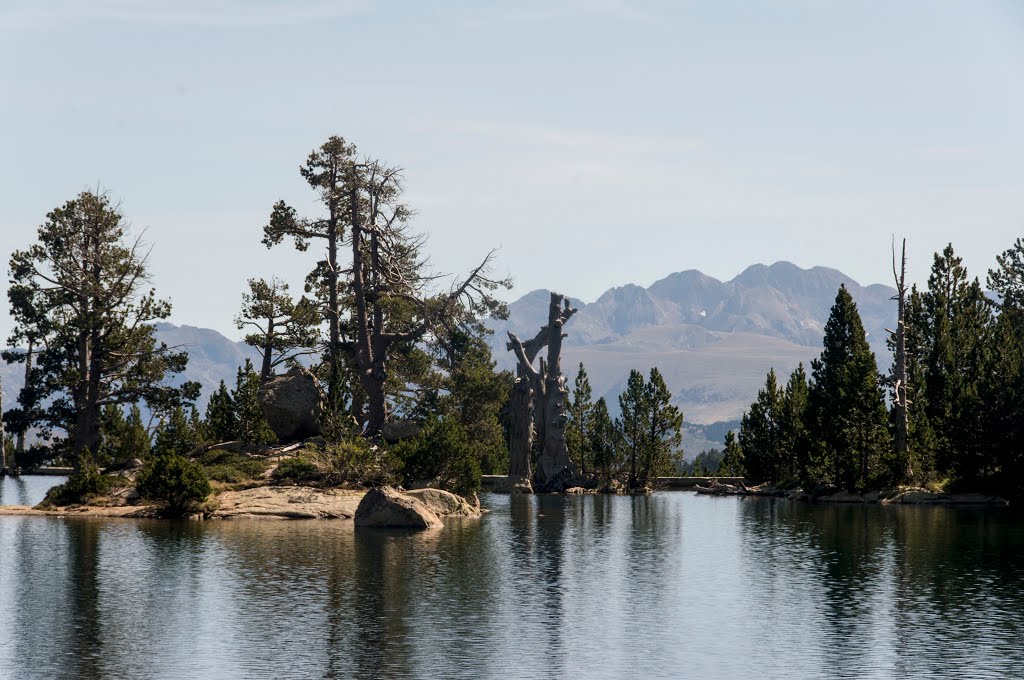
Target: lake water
x,y
670,585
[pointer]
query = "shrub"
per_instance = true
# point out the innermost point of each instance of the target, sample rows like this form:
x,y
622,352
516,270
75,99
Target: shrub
x,y
232,468
85,484
174,482
441,454
297,469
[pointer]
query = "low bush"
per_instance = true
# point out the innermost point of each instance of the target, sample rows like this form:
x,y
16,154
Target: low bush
x,y
440,454
231,468
176,483
350,461
84,485
297,470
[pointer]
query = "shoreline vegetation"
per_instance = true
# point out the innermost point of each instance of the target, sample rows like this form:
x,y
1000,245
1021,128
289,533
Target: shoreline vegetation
x,y
379,377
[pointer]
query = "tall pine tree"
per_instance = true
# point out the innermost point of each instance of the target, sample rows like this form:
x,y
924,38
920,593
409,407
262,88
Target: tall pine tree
x,y
847,404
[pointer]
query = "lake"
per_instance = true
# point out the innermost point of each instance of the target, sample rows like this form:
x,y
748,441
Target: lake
x,y
669,585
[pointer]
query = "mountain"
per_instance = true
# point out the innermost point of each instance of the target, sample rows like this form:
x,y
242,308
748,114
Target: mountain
x,y
713,340
211,358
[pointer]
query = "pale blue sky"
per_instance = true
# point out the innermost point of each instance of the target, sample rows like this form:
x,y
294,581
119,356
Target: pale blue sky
x,y
598,143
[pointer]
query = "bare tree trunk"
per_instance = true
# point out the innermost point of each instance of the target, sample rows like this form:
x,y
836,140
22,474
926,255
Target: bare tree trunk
x,y
268,352
521,428
554,468
3,437
900,401
524,423
19,446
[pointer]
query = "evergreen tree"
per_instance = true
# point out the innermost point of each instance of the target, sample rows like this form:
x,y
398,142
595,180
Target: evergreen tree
x,y
82,289
959,320
847,404
252,427
282,329
176,435
664,425
632,425
1005,384
221,421
604,443
577,433
921,436
794,439
759,432
732,459
474,394
135,443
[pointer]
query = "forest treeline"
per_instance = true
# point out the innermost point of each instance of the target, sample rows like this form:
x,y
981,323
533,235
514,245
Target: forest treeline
x,y
965,395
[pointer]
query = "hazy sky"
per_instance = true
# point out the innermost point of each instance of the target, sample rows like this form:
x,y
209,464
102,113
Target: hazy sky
x,y
596,142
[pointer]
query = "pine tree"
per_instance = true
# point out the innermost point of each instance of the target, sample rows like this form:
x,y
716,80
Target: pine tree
x,y
135,444
664,422
604,442
760,432
846,403
632,424
959,319
175,436
1005,385
577,433
922,442
282,329
474,395
221,421
794,439
252,426
732,460
82,289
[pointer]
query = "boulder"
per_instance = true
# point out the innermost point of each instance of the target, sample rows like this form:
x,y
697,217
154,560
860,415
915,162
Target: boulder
x,y
444,503
399,430
292,404
388,507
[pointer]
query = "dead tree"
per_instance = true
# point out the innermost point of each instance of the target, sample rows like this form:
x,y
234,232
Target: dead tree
x,y
19,446
3,435
522,420
899,379
554,468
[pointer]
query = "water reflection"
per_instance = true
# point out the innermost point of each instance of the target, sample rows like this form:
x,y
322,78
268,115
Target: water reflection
x,y
544,586
897,591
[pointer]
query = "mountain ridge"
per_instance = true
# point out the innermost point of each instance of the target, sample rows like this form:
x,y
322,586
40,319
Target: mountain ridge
x,y
713,340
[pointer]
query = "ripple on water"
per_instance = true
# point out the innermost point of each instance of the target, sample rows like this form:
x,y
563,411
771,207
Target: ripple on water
x,y
546,586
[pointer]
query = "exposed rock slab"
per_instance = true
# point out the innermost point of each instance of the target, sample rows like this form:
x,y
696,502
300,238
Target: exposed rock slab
x,y
444,503
287,502
137,511
388,507
292,404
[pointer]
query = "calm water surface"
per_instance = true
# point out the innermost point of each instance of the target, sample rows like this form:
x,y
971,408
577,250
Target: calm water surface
x,y
671,585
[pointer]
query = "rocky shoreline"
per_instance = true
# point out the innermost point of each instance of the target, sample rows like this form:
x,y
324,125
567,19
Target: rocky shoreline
x,y
282,503
897,496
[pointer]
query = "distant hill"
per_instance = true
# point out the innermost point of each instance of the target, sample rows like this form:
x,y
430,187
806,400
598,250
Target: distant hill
x,y
714,341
